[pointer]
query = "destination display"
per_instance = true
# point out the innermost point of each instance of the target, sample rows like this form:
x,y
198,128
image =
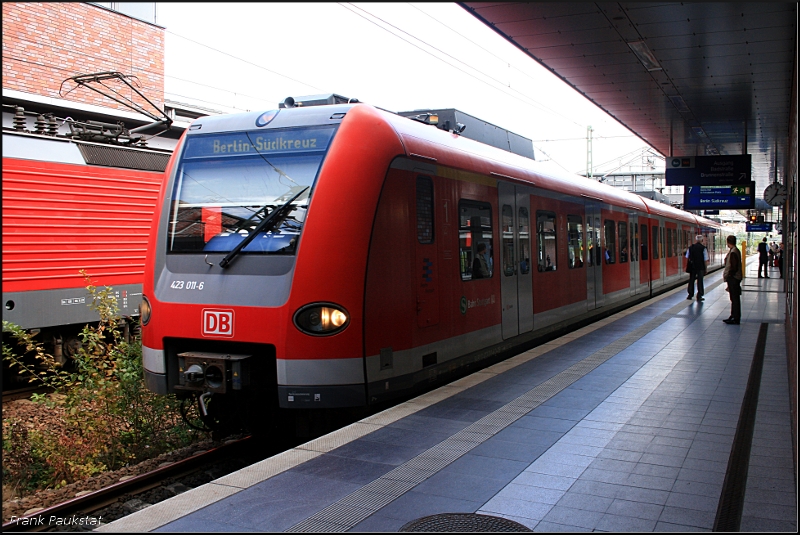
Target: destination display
x,y
708,170
724,197
758,227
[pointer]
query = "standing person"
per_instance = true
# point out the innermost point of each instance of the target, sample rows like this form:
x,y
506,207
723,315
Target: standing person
x,y
733,276
762,258
698,256
779,258
480,267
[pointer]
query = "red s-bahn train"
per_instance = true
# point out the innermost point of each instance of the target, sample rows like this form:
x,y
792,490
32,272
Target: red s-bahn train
x,y
337,256
70,205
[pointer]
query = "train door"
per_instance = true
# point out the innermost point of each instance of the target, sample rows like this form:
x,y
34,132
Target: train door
x,y
657,260
516,282
628,242
594,263
426,255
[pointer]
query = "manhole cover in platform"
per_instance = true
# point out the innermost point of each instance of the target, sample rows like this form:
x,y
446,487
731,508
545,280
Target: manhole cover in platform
x,y
463,522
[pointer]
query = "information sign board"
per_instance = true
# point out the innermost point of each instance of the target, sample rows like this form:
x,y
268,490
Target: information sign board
x,y
736,197
711,212
708,170
758,227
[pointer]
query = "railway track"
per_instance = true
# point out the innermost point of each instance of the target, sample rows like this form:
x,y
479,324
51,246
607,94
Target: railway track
x,y
23,393
88,511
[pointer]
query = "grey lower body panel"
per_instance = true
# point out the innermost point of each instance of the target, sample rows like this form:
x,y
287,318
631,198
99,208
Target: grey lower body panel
x,y
38,309
156,382
321,397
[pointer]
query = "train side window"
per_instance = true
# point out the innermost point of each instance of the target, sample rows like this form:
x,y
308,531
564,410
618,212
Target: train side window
x,y
669,243
644,242
675,242
610,252
507,231
475,240
662,243
623,242
634,242
524,241
575,241
424,209
655,243
546,240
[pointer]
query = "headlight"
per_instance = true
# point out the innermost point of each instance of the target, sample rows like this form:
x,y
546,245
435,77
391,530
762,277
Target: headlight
x,y
144,311
321,319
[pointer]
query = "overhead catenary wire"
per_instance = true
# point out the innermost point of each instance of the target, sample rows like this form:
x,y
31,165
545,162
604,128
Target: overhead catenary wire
x,y
245,61
524,100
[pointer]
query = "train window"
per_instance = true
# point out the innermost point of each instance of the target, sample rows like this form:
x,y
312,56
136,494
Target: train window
x,y
524,241
634,242
228,184
669,243
661,243
598,254
546,240
507,230
655,243
475,240
424,209
610,251
575,241
623,242
644,242
675,242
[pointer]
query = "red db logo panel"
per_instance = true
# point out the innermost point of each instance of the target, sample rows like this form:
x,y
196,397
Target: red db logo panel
x,y
217,322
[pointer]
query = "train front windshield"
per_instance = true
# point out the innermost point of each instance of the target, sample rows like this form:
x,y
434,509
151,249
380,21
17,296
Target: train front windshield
x,y
228,183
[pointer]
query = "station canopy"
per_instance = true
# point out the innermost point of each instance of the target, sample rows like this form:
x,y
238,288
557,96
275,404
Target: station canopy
x,y
690,79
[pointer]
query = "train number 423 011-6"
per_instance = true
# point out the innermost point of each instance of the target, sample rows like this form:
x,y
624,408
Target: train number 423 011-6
x,y
186,285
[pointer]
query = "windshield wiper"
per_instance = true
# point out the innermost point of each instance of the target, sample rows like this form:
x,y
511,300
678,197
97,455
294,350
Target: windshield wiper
x,y
271,219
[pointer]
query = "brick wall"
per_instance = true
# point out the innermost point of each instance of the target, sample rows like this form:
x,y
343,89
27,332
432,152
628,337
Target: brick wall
x,y
45,43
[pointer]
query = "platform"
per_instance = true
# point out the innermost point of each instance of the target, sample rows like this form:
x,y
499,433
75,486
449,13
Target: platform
x,y
625,425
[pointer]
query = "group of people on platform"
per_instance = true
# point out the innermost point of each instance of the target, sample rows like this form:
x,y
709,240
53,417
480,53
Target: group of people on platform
x,y
769,255
697,263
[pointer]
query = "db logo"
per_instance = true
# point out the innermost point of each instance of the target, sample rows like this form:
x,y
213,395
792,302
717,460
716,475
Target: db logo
x,y
218,322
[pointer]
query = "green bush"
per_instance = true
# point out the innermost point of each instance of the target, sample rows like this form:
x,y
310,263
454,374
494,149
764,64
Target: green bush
x,y
106,418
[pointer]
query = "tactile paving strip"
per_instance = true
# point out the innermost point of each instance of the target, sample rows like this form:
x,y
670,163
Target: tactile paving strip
x,y
357,506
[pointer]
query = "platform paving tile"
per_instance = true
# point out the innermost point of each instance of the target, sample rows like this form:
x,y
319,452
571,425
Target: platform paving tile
x,y
688,517
560,469
547,481
343,469
553,527
641,494
196,525
619,454
647,511
514,451
668,527
378,523
573,517
524,508
461,486
766,525
619,524
708,503
587,502
785,513
413,505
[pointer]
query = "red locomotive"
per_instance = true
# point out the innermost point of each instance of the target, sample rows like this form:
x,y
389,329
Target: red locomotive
x,y
70,205
337,256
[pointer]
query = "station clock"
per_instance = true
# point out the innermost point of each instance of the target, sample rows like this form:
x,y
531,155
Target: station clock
x,y
775,194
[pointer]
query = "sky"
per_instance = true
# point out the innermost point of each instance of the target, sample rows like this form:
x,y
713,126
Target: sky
x,y
235,57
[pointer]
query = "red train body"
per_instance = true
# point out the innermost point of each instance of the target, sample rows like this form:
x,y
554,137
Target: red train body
x,y
415,252
70,206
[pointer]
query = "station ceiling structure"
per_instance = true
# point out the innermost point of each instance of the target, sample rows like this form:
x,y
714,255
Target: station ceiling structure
x,y
690,78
